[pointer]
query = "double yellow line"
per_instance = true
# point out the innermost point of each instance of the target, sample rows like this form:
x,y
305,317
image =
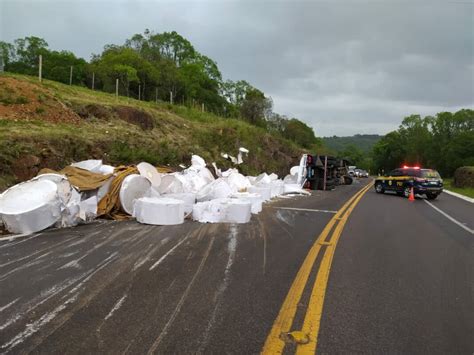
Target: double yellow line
x,y
307,337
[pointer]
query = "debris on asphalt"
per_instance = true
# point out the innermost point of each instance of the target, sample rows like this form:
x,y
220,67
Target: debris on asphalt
x,y
89,189
159,211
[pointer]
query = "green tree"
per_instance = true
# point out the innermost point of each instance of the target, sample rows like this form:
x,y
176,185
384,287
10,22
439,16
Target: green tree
x,y
255,107
300,133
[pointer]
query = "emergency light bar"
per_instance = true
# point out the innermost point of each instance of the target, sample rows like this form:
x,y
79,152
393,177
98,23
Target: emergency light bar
x,y
410,167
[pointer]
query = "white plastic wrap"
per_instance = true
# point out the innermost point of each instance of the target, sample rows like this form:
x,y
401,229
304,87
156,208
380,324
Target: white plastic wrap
x,y
31,206
133,187
91,165
159,211
149,171
104,189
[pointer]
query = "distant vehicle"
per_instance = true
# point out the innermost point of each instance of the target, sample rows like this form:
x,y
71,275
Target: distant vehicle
x,y
424,182
351,170
364,174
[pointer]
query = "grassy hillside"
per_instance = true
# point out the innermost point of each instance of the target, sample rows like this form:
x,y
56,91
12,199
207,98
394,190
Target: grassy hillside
x,y
364,142
52,124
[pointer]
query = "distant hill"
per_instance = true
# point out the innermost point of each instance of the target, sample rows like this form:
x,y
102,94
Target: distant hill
x,y
364,142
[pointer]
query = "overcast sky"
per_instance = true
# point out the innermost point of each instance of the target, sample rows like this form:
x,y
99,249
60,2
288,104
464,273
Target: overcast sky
x,y
342,66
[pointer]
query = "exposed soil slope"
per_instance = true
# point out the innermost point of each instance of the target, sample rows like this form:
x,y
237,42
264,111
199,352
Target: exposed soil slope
x,y
51,125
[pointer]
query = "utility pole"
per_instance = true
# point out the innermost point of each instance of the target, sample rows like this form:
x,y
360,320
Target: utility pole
x,y
116,88
40,68
70,76
93,80
202,107
139,92
171,97
156,95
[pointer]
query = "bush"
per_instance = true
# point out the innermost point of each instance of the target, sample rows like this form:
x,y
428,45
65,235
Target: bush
x,y
464,176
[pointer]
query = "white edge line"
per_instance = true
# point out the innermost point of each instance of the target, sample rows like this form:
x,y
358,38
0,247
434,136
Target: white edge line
x,y
465,198
304,209
450,218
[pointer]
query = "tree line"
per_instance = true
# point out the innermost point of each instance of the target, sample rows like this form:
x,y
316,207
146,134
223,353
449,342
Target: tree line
x,y
443,142
157,66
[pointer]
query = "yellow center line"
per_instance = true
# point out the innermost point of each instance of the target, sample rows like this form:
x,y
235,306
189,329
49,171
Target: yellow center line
x,y
314,311
274,344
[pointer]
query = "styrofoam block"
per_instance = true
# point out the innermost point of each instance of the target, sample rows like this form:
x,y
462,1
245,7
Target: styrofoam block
x,y
159,211
106,169
255,199
104,189
265,192
238,211
64,187
223,210
263,179
273,176
149,171
30,206
91,165
294,170
228,172
170,183
197,161
71,214
290,179
152,192
192,181
219,188
251,179
206,174
238,182
209,212
133,187
88,208
188,198
277,188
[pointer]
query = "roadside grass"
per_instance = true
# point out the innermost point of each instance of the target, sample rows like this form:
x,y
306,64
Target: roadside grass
x,y
179,131
466,191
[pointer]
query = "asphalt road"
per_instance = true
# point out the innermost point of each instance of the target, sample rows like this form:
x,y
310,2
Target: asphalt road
x,y
401,281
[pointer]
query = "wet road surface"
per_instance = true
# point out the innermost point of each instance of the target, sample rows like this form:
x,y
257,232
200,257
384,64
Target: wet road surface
x,y
401,281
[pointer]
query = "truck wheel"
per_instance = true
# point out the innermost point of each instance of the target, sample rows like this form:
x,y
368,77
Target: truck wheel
x,y
431,196
379,188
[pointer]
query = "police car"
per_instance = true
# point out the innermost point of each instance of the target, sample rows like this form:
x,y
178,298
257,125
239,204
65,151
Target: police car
x,y
424,182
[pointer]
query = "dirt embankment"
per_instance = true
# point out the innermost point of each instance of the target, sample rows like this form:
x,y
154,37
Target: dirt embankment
x,y
22,100
52,125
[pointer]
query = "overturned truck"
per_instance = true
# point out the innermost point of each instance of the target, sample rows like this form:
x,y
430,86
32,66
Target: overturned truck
x,y
325,172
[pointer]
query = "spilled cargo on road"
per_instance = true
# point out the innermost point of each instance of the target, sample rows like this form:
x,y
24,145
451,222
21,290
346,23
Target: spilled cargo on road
x,y
89,189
